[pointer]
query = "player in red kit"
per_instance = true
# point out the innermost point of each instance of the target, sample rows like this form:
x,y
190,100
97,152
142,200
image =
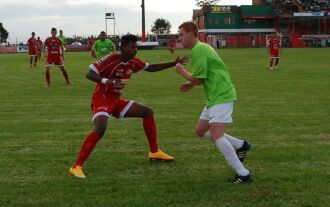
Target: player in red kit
x,y
111,73
32,45
55,52
91,43
274,49
172,45
39,48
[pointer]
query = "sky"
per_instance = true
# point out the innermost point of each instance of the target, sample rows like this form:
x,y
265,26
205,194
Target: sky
x,y
86,17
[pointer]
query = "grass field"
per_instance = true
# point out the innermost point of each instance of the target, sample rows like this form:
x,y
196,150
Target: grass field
x,y
283,113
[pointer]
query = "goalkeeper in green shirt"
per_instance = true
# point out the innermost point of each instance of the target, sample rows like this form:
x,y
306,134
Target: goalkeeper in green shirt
x,y
103,46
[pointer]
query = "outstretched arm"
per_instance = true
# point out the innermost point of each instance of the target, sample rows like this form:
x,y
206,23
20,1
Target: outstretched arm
x,y
162,66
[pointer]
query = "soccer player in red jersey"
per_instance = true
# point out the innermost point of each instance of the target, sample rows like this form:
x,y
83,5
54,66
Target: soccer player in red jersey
x,y
274,49
110,73
32,45
55,52
39,48
91,43
172,45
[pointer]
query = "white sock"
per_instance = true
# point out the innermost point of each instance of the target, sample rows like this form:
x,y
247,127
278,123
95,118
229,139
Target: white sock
x,y
236,143
228,152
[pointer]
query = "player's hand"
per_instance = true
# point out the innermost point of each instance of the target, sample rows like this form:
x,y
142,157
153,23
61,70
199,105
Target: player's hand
x,y
185,87
116,82
182,61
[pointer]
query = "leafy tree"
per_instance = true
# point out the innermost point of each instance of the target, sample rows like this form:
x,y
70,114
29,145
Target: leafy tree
x,y
161,26
201,3
3,34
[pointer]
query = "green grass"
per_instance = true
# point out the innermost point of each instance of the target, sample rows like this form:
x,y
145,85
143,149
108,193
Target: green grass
x,y
283,113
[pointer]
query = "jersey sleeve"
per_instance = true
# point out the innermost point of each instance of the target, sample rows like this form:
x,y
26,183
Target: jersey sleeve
x,y
199,65
138,65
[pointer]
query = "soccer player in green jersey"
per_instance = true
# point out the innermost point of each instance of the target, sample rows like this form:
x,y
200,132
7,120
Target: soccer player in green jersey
x,y
103,46
209,70
62,38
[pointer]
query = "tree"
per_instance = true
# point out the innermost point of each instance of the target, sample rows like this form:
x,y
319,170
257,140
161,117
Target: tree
x,y
3,34
201,3
161,26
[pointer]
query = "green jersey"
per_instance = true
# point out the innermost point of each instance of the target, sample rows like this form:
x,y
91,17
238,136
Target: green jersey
x,y
102,48
62,38
208,66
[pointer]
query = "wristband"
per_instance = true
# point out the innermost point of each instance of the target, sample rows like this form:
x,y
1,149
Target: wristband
x,y
178,64
104,80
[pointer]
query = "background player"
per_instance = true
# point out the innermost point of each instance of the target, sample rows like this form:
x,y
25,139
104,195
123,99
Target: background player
x,y
32,45
91,43
39,48
55,51
274,49
103,46
172,45
211,72
110,74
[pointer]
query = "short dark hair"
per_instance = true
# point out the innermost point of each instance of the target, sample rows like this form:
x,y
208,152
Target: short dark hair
x,y
126,39
33,33
103,32
54,29
189,27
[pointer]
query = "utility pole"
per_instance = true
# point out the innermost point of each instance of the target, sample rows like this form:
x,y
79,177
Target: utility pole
x,y
143,23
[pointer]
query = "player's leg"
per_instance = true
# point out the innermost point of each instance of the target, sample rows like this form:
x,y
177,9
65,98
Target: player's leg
x,y
271,60
100,124
47,75
219,116
277,60
65,74
31,60
150,129
227,150
202,130
35,60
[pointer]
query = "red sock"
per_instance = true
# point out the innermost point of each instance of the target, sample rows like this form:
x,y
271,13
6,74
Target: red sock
x,y
150,129
48,77
65,74
271,62
87,147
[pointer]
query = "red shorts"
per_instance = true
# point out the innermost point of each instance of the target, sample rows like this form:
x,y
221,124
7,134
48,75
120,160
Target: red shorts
x,y
110,105
274,53
32,51
55,59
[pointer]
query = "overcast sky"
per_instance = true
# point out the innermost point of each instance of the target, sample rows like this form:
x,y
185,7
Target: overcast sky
x,y
86,17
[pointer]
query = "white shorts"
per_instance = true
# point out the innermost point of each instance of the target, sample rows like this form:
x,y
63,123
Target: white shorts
x,y
220,113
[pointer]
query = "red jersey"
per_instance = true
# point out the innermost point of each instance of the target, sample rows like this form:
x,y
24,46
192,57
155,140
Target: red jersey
x,y
53,45
274,43
111,66
39,45
32,43
172,43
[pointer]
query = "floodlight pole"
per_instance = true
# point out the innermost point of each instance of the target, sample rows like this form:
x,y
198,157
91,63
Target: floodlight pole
x,y
143,23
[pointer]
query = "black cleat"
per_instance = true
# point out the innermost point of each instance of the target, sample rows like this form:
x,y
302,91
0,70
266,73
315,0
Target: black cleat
x,y
241,152
242,179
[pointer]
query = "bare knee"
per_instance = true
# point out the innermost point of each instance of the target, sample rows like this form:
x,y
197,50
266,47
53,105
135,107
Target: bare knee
x,y
200,132
100,130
